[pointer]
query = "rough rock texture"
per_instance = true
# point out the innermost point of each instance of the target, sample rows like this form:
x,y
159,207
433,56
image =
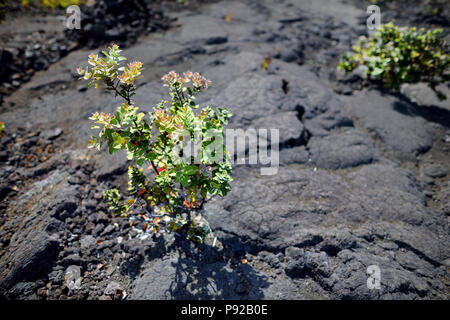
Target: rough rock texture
x,y
193,278
342,150
290,128
392,121
343,199
341,226
42,39
34,245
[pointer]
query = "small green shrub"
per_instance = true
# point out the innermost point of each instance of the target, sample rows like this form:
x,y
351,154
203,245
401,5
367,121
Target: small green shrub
x,y
162,185
395,56
52,3
2,127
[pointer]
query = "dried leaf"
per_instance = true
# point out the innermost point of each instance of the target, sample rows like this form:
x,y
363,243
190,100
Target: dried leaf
x,y
265,63
187,204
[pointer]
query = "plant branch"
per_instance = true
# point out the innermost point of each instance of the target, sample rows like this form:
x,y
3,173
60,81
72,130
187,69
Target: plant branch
x,y
112,86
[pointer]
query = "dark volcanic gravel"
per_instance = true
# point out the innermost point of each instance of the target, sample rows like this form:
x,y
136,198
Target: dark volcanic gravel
x,y
363,177
42,38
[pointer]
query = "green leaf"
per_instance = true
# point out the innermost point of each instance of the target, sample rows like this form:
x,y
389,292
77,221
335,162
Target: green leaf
x,y
190,170
151,156
140,161
204,192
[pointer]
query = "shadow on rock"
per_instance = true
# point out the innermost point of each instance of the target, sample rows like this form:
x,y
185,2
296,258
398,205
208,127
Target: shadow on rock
x,y
430,113
198,272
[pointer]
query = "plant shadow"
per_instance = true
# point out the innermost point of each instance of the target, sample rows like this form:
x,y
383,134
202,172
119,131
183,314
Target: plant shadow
x,y
430,113
204,272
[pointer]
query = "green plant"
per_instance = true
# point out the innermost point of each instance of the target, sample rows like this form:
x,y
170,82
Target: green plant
x,y
395,56
2,127
53,3
163,185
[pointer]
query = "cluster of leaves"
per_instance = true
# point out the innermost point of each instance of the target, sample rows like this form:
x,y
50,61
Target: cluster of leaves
x,y
162,184
2,127
52,3
395,56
